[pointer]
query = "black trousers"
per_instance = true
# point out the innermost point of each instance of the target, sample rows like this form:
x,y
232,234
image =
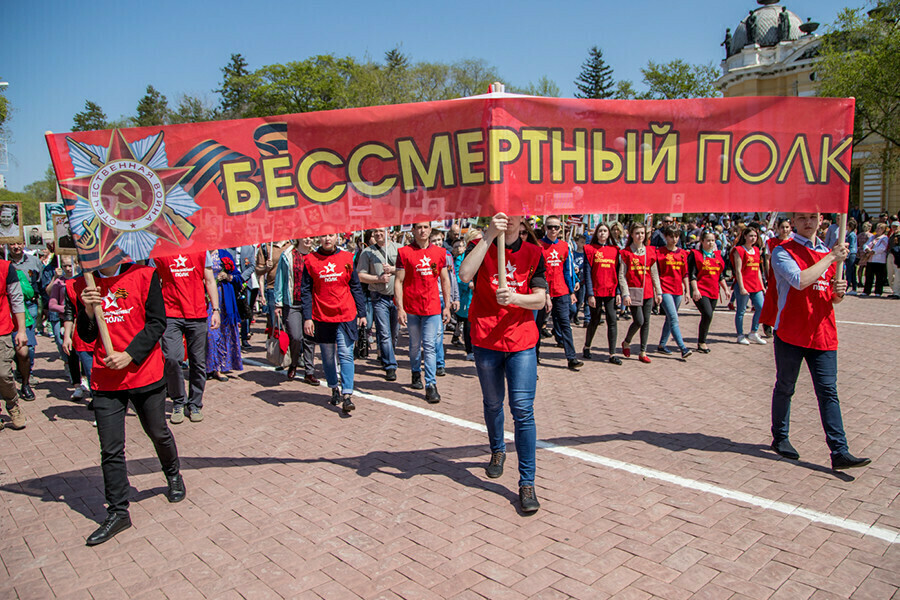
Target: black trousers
x,y
875,273
194,332
109,410
706,306
640,319
603,305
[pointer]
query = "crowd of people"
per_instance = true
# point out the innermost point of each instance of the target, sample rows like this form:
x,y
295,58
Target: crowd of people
x,y
349,295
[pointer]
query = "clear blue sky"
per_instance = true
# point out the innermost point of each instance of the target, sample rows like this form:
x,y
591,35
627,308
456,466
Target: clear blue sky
x,y
57,54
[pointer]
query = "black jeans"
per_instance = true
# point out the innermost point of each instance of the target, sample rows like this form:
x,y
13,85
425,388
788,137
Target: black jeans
x,y
875,273
301,345
603,305
640,319
109,410
195,334
706,306
562,329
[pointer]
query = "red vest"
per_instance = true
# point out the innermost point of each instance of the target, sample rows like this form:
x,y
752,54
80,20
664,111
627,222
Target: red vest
x,y
504,328
78,344
124,299
709,270
637,269
750,262
554,262
807,318
604,276
183,284
332,301
672,270
7,323
421,278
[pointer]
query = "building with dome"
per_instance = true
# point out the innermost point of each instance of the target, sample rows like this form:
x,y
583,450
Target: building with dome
x,y
772,52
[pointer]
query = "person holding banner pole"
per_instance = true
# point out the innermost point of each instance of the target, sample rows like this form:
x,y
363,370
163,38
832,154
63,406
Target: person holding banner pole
x,y
639,274
504,336
601,264
809,283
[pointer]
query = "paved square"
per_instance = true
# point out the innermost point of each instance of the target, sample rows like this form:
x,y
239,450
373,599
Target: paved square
x,y
655,481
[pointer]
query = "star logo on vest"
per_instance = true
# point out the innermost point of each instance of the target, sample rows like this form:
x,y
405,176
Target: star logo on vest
x,y
180,262
329,268
109,300
554,255
425,262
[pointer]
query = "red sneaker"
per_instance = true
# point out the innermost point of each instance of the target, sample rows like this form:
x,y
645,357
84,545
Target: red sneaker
x,y
626,351
644,359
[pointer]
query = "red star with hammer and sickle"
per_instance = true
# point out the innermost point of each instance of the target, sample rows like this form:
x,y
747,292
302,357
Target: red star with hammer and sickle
x,y
120,150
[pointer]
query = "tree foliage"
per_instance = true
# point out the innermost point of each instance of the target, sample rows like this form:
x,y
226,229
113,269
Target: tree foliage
x,y
192,109
595,79
91,118
860,58
4,111
152,109
678,79
235,88
543,87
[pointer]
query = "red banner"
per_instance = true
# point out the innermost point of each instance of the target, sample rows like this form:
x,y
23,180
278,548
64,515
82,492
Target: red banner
x,y
156,191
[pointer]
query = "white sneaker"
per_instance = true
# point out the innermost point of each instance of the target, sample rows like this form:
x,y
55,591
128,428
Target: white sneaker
x,y
754,337
742,339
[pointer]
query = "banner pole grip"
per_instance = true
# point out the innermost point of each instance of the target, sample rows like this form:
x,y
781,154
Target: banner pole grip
x,y
98,315
501,261
842,235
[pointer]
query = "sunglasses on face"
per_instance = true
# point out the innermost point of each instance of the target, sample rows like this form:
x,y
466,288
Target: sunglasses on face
x,y
554,226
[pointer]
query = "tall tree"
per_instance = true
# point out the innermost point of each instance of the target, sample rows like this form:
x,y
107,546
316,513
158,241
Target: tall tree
x,y
317,83
595,79
91,118
152,109
543,87
678,79
4,110
471,76
860,58
235,88
192,109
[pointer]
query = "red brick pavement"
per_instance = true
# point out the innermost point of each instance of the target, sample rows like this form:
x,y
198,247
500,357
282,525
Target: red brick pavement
x,y
288,498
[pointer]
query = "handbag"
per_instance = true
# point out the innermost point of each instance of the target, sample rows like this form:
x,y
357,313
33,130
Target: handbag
x,y
241,296
637,293
277,347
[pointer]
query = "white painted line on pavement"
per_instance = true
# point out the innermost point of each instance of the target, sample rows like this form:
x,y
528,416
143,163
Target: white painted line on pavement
x,y
873,324
882,533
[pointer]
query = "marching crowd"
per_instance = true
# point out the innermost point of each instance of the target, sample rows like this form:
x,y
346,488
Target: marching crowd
x,y
348,295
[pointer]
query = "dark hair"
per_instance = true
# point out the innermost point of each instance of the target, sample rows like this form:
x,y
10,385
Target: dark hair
x,y
635,225
595,239
707,232
851,225
670,230
530,235
579,237
745,232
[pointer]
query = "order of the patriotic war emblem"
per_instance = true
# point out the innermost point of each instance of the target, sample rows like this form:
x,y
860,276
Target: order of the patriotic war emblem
x,y
126,197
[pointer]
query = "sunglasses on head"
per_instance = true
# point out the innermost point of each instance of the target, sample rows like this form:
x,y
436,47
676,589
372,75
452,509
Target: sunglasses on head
x,y
554,226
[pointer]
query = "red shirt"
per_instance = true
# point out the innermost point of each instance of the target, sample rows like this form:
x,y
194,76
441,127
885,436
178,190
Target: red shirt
x,y
505,328
332,301
602,263
807,318
183,284
554,262
421,278
78,344
709,272
637,269
673,269
750,262
7,324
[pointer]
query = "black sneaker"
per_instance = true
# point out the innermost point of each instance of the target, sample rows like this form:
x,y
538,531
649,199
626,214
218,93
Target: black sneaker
x,y
440,372
686,352
175,491
785,449
574,365
586,354
113,524
417,380
348,405
335,396
613,359
495,467
431,394
528,500
847,461
390,375
26,393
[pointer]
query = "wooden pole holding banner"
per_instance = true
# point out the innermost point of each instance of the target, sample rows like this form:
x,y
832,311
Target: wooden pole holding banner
x,y
498,87
98,309
842,235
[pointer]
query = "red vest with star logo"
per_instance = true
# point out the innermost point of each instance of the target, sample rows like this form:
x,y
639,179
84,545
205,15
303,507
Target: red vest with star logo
x,y
124,301
750,263
78,344
332,301
637,269
602,261
709,270
7,323
183,285
421,278
673,268
554,261
504,328
807,318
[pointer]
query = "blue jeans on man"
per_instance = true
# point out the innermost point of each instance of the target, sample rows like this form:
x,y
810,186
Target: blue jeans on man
x,y
516,371
670,304
339,353
422,334
822,365
742,300
562,328
439,341
387,328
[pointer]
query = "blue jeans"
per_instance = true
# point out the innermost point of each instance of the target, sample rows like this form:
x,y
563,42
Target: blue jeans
x,y
757,299
822,365
386,328
270,306
518,370
562,329
344,350
422,334
56,328
86,359
670,304
439,341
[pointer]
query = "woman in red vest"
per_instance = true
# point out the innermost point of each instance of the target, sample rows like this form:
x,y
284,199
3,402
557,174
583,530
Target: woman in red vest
x,y
748,283
135,314
673,279
504,336
706,271
601,263
639,275
334,308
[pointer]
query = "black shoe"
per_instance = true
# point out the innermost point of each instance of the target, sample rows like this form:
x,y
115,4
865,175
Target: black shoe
x,y
702,350
417,380
495,467
440,372
390,375
335,396
615,360
528,500
560,345
348,405
26,393
847,461
113,524
431,394
576,322
574,365
586,354
785,449
176,491
311,380
246,347
686,352
545,333
291,372
663,350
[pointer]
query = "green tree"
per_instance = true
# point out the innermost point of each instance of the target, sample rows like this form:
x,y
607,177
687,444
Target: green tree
x,y
235,89
4,111
30,208
152,109
192,109
595,79
91,118
625,91
860,58
430,81
469,77
544,87
42,190
317,83
678,79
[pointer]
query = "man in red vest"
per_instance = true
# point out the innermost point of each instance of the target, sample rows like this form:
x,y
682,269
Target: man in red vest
x,y
561,296
12,318
805,330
